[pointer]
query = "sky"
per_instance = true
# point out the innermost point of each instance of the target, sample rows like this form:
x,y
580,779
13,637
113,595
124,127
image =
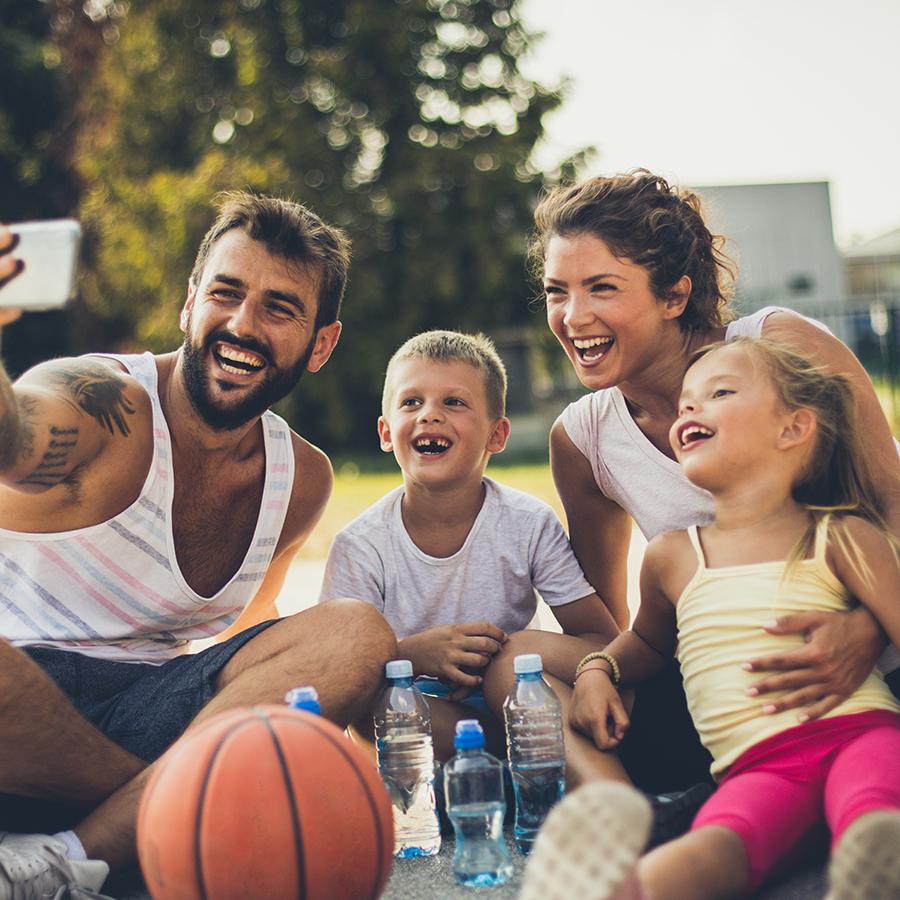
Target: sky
x,y
710,92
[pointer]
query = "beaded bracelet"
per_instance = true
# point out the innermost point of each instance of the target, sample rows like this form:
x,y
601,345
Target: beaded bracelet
x,y
607,658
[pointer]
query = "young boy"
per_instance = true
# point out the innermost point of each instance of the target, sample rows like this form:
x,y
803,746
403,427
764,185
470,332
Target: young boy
x,y
452,559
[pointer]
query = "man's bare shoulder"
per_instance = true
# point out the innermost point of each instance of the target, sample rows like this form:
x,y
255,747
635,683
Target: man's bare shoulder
x,y
101,388
313,481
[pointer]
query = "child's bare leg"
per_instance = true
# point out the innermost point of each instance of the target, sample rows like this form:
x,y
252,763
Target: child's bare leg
x,y
588,846
707,864
590,843
444,716
363,735
560,653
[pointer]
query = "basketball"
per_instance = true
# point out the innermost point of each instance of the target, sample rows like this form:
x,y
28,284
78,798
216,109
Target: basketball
x,y
266,803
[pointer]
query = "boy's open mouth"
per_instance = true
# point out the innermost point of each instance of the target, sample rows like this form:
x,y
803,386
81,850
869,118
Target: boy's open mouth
x,y
594,348
431,446
237,361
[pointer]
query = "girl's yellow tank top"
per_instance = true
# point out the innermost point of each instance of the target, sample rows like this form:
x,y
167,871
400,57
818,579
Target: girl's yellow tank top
x,y
720,617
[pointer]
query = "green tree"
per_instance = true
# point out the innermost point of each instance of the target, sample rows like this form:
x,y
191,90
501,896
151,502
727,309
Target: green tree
x,y
408,122
37,180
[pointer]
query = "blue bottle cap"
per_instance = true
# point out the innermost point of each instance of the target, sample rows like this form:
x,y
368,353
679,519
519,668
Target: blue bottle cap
x,y
469,735
305,698
398,668
526,663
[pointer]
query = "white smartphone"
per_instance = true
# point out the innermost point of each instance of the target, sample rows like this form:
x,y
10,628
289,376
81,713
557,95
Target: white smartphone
x,y
49,250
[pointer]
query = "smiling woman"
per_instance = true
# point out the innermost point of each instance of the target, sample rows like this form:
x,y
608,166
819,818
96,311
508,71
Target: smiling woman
x,y
635,283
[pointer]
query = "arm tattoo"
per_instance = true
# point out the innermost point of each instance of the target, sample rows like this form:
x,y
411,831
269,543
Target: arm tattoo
x,y
99,392
21,442
54,465
27,415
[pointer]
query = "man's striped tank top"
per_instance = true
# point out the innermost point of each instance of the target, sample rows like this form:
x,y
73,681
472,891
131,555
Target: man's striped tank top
x,y
114,590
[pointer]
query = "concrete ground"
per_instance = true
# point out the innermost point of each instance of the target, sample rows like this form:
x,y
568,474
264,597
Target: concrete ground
x,y
432,879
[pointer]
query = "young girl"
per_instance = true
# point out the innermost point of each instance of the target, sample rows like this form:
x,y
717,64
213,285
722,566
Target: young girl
x,y
797,527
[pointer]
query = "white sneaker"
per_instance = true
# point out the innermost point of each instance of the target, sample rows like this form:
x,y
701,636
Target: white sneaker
x,y
589,844
35,867
866,864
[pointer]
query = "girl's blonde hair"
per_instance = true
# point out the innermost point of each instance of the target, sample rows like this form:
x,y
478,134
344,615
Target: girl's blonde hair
x,y
837,478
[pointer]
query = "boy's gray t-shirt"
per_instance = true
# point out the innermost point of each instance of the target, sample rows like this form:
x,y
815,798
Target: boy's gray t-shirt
x,y
515,546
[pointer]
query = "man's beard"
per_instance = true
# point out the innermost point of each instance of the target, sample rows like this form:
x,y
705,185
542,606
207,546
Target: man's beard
x,y
272,387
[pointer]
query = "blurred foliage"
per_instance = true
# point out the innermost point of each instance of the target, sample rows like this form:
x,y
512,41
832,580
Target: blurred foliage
x,y
408,122
37,123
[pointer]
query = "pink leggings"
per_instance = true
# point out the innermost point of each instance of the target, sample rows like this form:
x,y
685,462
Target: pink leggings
x,y
777,792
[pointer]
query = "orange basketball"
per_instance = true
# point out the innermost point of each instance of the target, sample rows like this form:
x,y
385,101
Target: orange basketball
x,y
266,803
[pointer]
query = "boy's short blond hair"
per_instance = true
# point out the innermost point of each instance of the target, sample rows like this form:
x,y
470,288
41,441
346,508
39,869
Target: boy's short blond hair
x,y
477,350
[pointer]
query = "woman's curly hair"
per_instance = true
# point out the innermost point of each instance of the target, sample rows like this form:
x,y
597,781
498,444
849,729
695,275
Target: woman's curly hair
x,y
644,219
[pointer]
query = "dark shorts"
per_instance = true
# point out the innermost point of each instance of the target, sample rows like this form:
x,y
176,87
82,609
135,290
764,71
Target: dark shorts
x,y
141,707
661,750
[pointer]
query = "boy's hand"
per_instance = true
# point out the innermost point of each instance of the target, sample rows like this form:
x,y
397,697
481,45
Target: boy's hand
x,y
449,652
597,710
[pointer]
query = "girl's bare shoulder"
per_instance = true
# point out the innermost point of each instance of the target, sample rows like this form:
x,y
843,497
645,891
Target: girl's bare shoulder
x,y
672,561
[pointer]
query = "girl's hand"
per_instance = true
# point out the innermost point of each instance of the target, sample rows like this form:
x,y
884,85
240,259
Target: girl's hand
x,y
597,710
841,650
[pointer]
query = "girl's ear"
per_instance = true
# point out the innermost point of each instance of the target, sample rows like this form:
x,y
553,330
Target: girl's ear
x,y
384,435
798,429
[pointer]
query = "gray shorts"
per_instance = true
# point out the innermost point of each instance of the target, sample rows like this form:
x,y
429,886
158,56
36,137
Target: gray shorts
x,y
141,707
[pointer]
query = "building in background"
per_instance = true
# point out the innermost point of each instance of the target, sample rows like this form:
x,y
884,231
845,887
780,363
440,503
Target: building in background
x,y
781,237
873,269
873,297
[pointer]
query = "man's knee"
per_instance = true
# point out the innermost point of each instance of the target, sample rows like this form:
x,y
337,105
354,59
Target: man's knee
x,y
363,628
365,643
19,675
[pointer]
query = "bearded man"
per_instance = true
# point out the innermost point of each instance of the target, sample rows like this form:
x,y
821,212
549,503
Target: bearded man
x,y
145,502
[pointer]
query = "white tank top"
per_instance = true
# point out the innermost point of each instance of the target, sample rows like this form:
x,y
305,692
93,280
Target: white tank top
x,y
640,478
114,590
629,469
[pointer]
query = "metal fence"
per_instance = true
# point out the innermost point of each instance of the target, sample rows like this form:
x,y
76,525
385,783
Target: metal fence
x,y
870,326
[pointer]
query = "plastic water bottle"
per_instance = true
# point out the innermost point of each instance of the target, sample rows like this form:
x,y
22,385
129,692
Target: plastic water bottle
x,y
473,786
305,698
537,759
406,762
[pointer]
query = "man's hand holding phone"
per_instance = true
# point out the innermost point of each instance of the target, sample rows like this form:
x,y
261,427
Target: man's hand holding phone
x,y
40,273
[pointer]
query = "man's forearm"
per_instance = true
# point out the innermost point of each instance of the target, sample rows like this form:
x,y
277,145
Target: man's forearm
x,y
869,627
